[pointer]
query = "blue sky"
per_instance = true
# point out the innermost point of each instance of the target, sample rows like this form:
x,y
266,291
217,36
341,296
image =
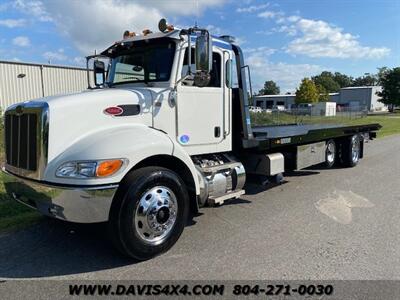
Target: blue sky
x,y
283,40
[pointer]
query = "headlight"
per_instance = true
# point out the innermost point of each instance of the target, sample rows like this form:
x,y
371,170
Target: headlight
x,y
89,169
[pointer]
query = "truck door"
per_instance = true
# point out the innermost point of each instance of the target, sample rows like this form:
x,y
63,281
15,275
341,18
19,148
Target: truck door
x,y
200,110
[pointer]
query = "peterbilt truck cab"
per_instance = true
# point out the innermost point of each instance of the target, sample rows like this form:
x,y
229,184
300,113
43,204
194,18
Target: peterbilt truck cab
x,y
161,132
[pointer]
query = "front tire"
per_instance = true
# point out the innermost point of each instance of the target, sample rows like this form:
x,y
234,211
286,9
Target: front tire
x,y
149,213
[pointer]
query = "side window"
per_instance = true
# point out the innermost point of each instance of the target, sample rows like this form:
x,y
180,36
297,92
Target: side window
x,y
215,72
185,67
235,79
228,72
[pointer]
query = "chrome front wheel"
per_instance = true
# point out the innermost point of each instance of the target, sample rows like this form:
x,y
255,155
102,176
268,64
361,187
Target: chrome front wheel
x,y
156,214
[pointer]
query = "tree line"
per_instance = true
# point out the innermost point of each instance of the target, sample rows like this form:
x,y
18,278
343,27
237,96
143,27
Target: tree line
x,y
317,88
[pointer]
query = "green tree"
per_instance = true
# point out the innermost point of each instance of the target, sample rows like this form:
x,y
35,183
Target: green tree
x,y
270,88
390,94
343,80
327,80
382,72
307,92
366,80
323,93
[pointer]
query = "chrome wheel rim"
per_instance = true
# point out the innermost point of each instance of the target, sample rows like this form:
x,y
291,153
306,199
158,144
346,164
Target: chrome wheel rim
x,y
355,149
330,153
156,214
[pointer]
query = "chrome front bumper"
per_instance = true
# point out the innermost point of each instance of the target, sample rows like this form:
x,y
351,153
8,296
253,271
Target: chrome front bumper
x,y
70,203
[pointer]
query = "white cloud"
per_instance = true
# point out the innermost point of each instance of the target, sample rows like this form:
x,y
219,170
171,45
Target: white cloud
x,y
265,32
267,14
55,56
287,76
34,8
252,8
21,41
320,39
293,18
95,24
316,38
260,51
240,40
215,30
80,61
11,23
290,30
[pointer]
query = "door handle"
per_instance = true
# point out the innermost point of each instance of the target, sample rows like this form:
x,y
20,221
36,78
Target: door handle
x,y
217,131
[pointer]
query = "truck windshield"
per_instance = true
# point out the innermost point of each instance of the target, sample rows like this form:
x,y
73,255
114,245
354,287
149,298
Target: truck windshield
x,y
142,61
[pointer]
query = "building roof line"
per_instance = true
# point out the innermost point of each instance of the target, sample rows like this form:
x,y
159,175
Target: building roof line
x,y
39,65
361,87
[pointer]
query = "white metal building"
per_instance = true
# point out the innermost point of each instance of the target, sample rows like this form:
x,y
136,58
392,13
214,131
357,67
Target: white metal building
x,y
362,96
25,81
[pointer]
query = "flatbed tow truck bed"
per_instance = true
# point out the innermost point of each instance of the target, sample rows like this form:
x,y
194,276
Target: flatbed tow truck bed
x,y
276,136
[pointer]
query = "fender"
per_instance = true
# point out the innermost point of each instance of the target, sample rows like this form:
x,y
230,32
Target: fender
x,y
179,152
134,142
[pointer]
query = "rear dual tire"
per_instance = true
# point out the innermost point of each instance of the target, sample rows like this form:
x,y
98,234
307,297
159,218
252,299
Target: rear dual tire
x,y
330,154
351,151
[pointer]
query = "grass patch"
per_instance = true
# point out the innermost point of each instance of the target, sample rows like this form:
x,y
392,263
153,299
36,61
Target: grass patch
x,y
390,123
14,215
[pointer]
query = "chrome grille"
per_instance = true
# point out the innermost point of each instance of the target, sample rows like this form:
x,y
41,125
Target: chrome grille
x,y
21,140
26,138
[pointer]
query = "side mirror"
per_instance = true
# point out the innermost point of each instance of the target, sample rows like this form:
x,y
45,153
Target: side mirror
x,y
204,52
99,70
203,59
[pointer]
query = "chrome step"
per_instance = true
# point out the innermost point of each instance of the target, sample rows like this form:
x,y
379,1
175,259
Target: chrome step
x,y
222,199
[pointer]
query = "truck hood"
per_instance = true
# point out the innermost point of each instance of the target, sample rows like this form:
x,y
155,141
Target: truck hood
x,y
74,116
101,99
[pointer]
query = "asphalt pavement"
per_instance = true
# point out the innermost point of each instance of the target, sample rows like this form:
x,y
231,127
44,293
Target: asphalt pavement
x,y
319,224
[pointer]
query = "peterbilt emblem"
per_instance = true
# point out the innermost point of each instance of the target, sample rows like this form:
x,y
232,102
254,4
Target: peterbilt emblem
x,y
19,110
114,111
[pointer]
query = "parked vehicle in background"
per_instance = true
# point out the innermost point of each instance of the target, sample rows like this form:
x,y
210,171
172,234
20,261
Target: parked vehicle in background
x,y
280,108
302,108
255,109
162,134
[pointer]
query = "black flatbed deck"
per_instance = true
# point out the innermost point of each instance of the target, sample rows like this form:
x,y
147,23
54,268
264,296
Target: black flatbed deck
x,y
293,134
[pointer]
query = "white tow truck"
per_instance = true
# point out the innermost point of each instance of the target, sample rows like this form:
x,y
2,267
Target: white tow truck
x,y
162,133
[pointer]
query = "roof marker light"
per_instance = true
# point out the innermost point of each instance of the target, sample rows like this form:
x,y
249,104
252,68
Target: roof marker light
x,y
146,32
128,34
163,26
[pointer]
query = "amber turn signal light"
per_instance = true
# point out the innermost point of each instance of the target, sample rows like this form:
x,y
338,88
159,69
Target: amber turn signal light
x,y
108,167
